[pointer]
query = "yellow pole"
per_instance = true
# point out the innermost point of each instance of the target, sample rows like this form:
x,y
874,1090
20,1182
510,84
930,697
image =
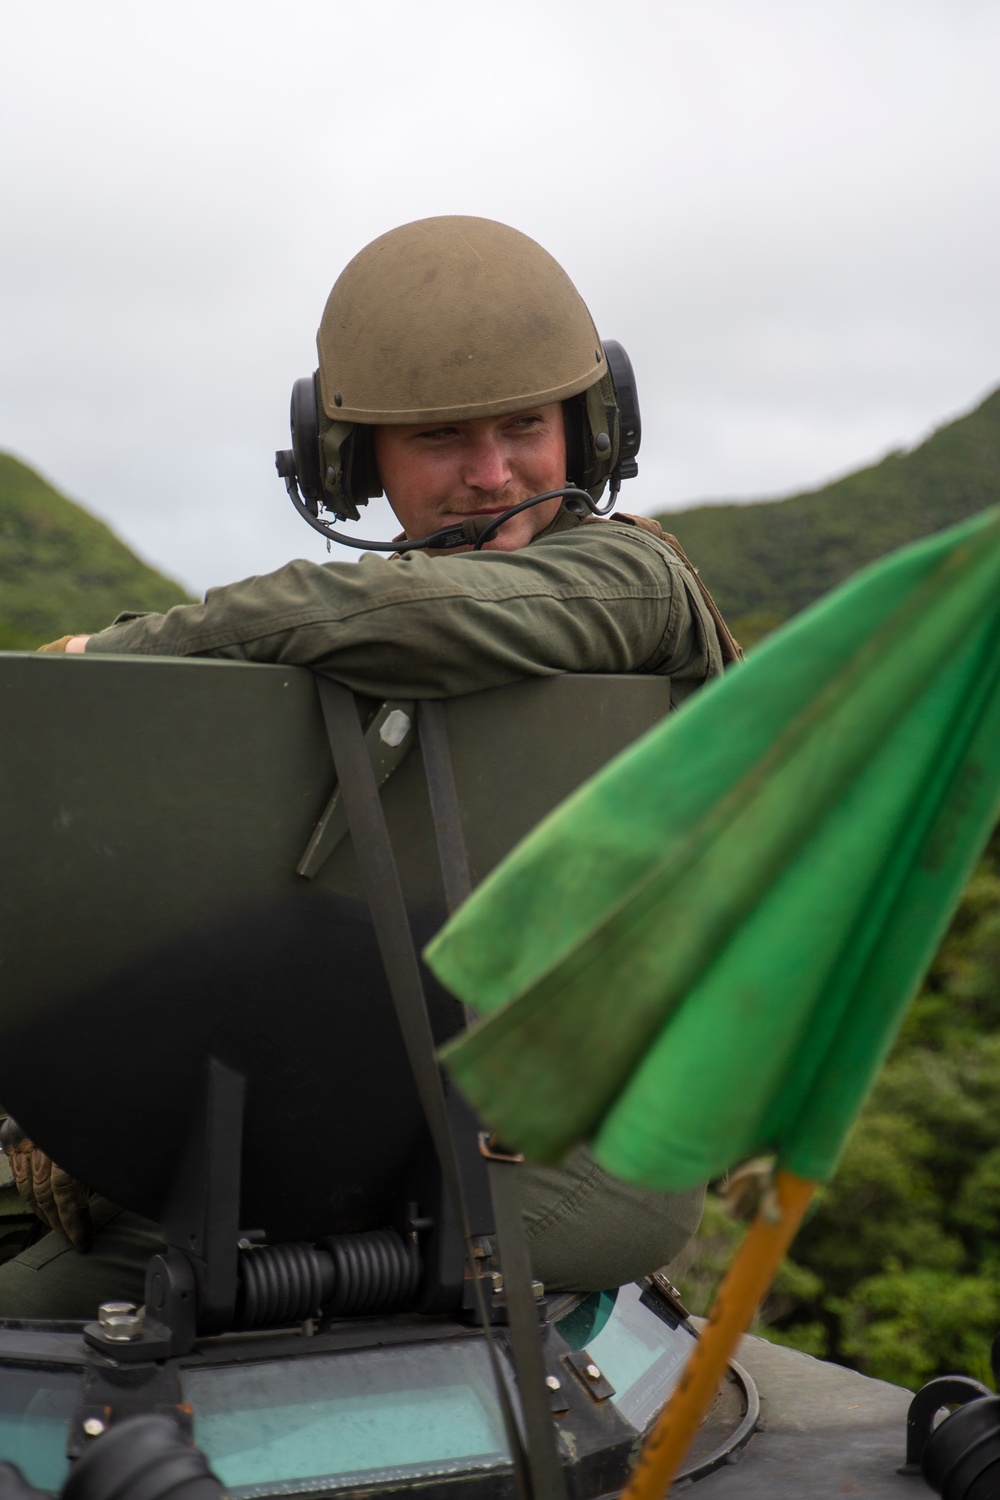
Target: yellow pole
x,y
741,1293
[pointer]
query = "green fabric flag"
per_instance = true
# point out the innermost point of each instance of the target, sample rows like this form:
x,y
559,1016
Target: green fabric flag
x,y
705,952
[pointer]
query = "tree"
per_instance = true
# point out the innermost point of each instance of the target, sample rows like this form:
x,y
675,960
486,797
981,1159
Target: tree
x,y
896,1271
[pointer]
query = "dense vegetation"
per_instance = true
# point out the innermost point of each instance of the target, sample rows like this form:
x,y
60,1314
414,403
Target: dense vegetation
x,y
897,1272
766,561
62,571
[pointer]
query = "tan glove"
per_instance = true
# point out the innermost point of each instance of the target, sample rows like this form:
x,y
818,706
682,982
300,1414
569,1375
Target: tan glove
x,y
57,1198
59,645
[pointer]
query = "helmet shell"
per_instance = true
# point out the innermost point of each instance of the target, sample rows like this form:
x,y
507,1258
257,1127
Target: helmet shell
x,y
450,318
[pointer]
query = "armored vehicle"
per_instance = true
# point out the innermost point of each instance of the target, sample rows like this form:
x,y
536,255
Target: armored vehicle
x,y
218,877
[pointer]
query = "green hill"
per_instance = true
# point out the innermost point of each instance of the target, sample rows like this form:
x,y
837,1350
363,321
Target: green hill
x,y
60,569
766,560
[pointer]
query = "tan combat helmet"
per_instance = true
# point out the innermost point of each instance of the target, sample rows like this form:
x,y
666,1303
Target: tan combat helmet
x,y
452,318
445,320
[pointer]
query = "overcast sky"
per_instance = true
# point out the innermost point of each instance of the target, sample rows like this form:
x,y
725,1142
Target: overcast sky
x,y
787,211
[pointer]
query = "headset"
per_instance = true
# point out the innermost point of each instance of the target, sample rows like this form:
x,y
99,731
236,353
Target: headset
x,y
331,465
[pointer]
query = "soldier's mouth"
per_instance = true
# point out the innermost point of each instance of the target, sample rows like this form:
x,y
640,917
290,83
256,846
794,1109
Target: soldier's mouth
x,y
488,510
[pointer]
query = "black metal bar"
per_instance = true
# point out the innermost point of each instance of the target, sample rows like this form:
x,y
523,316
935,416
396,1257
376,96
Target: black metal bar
x,y
373,850
547,1479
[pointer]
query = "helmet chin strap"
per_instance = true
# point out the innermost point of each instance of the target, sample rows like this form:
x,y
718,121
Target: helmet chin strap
x,y
474,532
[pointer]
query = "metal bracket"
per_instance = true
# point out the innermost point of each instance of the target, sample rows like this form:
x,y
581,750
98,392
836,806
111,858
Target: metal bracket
x,y
388,740
202,1216
112,1393
945,1390
589,1374
191,1288
665,1289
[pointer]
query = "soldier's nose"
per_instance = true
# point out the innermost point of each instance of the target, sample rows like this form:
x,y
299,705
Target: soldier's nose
x,y
487,467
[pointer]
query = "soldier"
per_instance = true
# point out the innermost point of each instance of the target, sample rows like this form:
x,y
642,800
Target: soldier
x,y
460,372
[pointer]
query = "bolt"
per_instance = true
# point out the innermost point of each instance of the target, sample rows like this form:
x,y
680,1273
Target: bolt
x,y
497,1283
395,729
114,1310
552,1381
122,1329
537,1290
94,1426
592,1372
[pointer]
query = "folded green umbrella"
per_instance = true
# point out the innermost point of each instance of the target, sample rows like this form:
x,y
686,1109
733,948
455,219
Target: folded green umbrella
x,y
705,952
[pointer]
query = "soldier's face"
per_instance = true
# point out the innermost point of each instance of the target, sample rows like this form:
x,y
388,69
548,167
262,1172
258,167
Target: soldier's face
x,y
437,475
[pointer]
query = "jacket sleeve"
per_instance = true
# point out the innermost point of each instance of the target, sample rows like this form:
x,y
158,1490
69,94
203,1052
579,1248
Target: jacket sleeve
x,y
594,599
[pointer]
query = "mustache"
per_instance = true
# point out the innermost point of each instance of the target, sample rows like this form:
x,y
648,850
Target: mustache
x,y
492,505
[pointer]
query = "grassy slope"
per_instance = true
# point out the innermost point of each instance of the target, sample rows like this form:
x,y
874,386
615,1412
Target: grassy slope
x,y
765,561
60,569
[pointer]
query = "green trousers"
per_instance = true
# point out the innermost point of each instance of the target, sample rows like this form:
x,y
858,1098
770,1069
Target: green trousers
x,y
586,1231
44,1277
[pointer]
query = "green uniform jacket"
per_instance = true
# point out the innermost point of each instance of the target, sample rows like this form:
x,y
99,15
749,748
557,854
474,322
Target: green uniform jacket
x,y
582,597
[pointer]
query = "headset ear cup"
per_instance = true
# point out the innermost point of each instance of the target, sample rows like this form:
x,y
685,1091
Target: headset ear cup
x,y
336,490
361,479
627,401
358,480
607,410
577,440
304,419
334,461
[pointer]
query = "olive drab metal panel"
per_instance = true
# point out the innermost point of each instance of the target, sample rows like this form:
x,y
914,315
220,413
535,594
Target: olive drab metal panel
x,y
155,811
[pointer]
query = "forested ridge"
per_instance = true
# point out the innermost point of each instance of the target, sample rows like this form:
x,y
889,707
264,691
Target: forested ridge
x,y
61,570
897,1271
765,561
